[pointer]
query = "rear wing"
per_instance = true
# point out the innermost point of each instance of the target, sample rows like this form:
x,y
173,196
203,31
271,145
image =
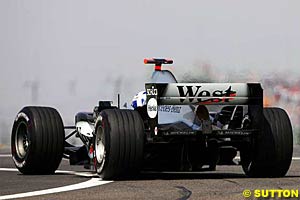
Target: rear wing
x,y
250,94
205,93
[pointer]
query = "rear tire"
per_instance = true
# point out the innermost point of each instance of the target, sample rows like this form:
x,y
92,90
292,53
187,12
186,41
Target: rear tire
x,y
37,140
272,153
119,143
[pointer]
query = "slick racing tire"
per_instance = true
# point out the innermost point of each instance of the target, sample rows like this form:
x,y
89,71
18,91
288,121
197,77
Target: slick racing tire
x,y
119,143
272,153
37,140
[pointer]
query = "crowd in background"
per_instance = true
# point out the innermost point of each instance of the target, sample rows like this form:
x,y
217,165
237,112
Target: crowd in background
x,y
285,93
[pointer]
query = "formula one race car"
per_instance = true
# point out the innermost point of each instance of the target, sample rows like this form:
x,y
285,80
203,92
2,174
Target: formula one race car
x,y
172,126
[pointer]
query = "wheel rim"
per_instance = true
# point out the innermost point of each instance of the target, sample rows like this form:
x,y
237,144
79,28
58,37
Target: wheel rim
x,y
21,140
100,148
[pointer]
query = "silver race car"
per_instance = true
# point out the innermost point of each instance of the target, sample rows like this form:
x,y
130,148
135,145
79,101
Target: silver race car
x,y
171,127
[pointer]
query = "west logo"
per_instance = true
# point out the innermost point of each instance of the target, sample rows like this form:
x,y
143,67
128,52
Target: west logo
x,y
192,92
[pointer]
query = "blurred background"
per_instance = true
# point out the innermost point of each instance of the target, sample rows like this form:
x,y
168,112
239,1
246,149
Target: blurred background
x,y
69,53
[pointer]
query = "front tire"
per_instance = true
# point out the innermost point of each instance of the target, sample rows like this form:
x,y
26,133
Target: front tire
x,y
272,153
37,140
119,143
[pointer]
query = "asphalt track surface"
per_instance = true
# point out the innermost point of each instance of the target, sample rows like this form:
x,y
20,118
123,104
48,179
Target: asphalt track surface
x,y
227,182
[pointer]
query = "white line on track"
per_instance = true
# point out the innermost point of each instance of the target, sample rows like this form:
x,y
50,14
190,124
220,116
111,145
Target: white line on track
x,y
293,158
83,174
87,184
5,155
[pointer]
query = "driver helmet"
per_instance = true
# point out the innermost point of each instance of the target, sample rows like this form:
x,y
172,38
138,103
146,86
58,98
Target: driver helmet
x,y
139,100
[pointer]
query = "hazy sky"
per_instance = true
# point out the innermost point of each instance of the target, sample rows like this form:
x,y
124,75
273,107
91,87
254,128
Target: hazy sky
x,y
81,51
